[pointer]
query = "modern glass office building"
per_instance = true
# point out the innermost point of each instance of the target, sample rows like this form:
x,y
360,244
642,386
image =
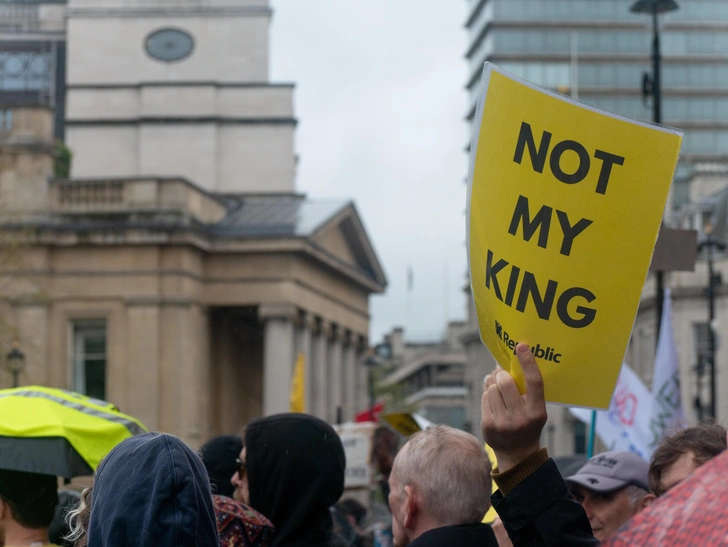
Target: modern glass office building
x,y
599,50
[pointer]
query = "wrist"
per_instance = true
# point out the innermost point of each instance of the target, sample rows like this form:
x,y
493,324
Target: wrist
x,y
509,460
508,480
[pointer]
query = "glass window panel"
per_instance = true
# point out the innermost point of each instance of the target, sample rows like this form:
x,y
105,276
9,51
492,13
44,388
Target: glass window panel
x,y
674,43
702,109
676,109
722,142
588,75
89,358
614,10
721,111
720,75
700,340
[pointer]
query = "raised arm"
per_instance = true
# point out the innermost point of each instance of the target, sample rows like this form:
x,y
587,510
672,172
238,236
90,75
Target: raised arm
x,y
532,500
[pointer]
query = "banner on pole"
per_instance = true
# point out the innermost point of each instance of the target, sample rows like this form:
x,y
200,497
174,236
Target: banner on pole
x,y
667,410
565,203
626,425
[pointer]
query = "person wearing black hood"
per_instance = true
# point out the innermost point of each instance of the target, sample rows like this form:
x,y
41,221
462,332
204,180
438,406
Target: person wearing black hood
x,y
152,490
292,470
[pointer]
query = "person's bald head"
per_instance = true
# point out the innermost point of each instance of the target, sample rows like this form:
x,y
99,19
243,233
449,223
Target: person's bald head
x,y
448,471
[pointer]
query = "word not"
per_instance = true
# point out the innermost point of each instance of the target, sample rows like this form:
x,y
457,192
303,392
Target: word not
x,y
543,303
538,158
549,354
542,222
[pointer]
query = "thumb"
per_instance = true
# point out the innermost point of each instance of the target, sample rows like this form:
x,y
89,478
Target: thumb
x,y
531,373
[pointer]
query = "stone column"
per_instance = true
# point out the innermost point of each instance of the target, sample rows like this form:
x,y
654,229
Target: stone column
x,y
143,351
336,391
319,360
351,376
184,397
279,355
32,336
304,342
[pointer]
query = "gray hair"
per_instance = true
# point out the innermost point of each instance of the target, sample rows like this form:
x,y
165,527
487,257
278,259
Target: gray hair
x,y
635,494
450,470
78,519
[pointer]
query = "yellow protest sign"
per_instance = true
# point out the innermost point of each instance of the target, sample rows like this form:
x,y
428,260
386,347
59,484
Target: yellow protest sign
x,y
564,209
406,423
491,514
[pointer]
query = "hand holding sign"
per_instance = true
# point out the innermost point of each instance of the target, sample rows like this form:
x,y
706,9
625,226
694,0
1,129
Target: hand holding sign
x,y
512,423
564,209
490,378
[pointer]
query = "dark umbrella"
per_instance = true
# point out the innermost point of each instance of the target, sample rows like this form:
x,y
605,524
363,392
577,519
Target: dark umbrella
x,y
691,513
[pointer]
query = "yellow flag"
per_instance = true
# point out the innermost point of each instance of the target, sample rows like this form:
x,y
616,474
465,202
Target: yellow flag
x,y
298,386
565,206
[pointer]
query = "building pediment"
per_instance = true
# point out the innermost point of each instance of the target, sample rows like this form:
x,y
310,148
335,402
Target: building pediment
x,y
343,237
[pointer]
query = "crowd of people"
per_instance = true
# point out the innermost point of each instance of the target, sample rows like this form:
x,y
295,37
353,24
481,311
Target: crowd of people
x,y
282,485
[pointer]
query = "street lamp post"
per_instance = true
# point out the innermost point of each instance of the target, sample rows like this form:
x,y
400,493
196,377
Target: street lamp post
x,y
652,86
371,362
15,362
375,357
711,243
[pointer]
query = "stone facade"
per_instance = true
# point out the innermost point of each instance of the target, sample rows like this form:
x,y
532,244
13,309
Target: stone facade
x,y
211,116
202,331
176,273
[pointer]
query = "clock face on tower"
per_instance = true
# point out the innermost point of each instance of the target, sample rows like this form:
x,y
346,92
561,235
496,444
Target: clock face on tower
x,y
169,44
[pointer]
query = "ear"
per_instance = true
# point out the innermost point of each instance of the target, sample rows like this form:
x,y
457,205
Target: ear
x,y
411,508
646,501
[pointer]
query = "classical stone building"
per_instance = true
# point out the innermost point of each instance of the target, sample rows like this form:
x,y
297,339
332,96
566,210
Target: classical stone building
x,y
177,273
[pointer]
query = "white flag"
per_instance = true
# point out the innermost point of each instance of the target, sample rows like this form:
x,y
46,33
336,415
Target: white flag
x,y
626,425
667,411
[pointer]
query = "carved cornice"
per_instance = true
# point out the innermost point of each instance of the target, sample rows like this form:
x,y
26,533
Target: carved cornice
x,y
277,310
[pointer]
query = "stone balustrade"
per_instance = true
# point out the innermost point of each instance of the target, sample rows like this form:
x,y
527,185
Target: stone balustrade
x,y
136,195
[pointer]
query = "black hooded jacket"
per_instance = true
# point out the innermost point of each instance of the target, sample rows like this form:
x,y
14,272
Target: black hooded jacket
x,y
152,490
295,473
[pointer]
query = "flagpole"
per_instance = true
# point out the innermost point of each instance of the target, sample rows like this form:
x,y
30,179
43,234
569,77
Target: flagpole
x,y
592,430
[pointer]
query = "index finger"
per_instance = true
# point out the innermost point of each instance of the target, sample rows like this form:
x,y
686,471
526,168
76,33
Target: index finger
x,y
532,374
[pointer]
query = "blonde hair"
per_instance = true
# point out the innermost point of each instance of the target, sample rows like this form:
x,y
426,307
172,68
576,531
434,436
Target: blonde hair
x,y
451,471
78,520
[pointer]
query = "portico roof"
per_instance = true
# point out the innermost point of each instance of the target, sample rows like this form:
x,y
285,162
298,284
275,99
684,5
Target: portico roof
x,y
276,215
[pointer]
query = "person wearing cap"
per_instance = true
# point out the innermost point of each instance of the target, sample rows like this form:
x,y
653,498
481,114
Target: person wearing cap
x,y
27,505
612,487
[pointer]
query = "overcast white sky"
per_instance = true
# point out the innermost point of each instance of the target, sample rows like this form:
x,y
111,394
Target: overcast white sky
x,y
380,101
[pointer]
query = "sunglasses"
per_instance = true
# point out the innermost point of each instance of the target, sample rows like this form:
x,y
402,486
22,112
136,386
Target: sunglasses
x,y
241,467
